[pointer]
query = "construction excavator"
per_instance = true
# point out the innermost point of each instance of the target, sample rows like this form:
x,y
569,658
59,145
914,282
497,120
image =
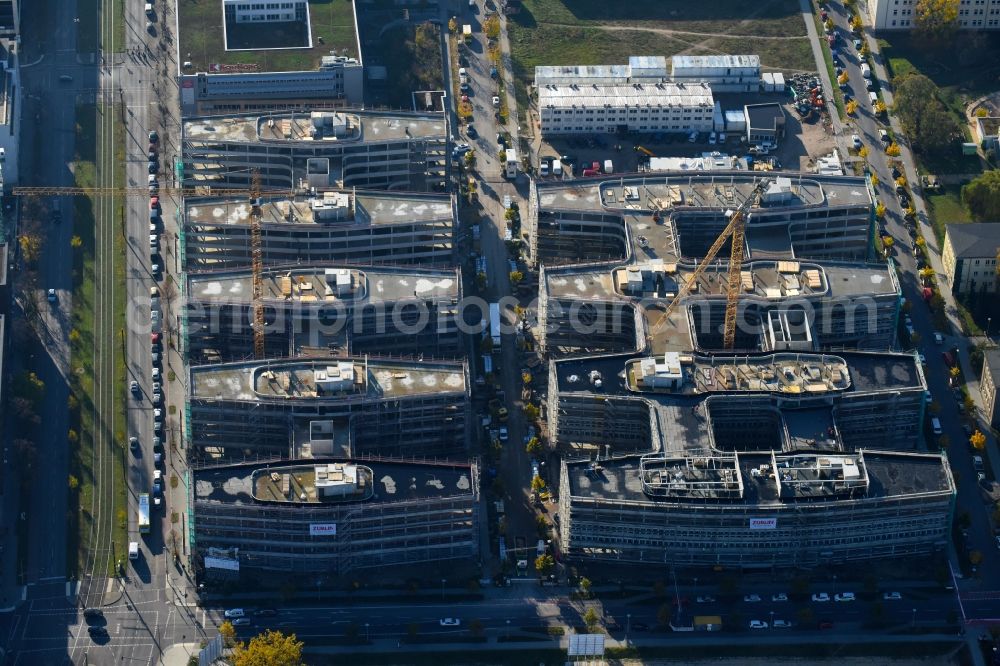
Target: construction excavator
x,y
735,230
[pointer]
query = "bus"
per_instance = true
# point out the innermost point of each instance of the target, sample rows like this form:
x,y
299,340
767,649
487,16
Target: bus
x,y
144,513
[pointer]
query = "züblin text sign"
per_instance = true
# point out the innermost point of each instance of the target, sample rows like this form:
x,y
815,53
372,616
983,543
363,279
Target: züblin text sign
x,y
322,529
763,523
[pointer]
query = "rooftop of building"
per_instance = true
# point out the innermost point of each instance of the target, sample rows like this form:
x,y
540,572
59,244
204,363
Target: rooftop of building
x,y
722,60
295,482
331,208
866,372
327,285
639,68
788,373
720,190
327,126
201,38
325,379
764,116
762,280
759,479
974,240
596,95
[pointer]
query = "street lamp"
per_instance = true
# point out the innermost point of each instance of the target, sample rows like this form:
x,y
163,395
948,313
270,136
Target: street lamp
x,y
988,320
628,626
913,622
834,584
772,620
508,630
442,589
366,632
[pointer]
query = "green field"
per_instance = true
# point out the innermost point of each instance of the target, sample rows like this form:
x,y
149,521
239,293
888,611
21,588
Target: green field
x,y
588,32
201,37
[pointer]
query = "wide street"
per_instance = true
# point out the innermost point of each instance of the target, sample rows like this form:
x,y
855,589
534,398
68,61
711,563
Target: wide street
x,y
867,125
149,608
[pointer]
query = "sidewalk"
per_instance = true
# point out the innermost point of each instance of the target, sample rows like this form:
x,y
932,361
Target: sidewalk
x,y
179,654
926,230
824,74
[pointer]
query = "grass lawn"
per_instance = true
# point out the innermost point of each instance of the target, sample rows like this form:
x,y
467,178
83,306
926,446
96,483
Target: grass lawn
x,y
569,32
946,207
284,35
201,37
82,384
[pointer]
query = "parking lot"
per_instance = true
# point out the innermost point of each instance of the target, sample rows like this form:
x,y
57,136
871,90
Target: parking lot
x,y
803,143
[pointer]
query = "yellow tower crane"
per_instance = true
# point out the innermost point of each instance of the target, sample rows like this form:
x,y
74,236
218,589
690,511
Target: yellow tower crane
x,y
256,266
735,230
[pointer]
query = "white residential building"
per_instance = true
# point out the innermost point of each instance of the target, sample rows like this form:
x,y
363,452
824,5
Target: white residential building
x,y
634,107
901,14
244,11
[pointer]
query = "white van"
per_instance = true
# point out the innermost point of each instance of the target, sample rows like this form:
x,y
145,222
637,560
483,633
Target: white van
x,y
557,168
936,425
149,9
133,550
872,97
234,613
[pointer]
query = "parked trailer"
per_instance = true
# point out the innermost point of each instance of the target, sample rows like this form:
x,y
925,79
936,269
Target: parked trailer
x,y
495,323
143,513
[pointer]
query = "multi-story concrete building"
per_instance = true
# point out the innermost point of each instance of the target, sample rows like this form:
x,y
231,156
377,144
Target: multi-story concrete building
x,y
808,389
642,96
337,82
784,305
334,407
633,107
988,383
970,257
696,403
902,14
665,216
334,309
249,11
319,149
358,228
755,510
334,518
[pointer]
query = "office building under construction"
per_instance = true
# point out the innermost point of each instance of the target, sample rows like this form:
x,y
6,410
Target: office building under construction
x,y
356,227
298,151
756,510
780,382
334,517
302,408
326,309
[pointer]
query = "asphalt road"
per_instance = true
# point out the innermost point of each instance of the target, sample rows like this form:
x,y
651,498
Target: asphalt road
x,y
970,498
515,467
148,609
526,606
